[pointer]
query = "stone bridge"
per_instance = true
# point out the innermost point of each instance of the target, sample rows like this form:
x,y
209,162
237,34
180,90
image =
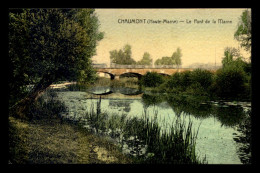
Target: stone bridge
x,y
139,72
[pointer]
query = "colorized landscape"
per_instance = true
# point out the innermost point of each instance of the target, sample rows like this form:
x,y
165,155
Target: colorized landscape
x,y
132,86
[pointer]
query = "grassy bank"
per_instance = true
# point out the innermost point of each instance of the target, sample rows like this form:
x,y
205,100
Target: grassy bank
x,y
52,142
46,138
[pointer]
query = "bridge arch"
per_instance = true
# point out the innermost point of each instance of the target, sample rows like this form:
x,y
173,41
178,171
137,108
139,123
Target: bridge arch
x,y
164,74
112,76
138,75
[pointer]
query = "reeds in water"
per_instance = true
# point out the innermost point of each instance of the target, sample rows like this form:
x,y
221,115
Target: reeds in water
x,y
176,145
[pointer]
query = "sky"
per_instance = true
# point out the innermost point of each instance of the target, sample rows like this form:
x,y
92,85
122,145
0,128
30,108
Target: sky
x,y
199,42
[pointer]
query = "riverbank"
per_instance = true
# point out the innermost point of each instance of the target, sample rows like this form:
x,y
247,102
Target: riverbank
x,y
50,141
72,106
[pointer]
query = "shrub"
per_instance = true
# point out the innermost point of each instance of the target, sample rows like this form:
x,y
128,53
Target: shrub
x,y
196,88
230,82
152,79
46,106
203,77
175,82
184,80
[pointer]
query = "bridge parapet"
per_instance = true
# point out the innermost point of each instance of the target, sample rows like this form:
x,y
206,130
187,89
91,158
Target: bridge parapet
x,y
113,65
116,72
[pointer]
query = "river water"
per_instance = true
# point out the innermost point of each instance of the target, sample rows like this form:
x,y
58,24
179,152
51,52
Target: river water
x,y
221,126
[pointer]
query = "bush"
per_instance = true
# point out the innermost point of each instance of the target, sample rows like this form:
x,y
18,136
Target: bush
x,y
46,106
230,82
196,88
176,82
203,77
184,80
151,79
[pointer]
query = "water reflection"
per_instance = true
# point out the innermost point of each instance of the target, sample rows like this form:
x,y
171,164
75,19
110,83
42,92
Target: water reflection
x,y
127,91
191,106
106,90
120,104
244,140
149,100
229,136
101,90
229,116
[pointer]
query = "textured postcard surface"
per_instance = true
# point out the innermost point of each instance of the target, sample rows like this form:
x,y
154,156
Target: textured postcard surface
x,y
128,86
201,34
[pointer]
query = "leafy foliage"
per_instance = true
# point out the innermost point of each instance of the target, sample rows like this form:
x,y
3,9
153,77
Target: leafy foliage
x,y
166,60
47,45
152,79
123,56
230,82
146,60
175,59
234,79
203,77
243,32
176,56
181,81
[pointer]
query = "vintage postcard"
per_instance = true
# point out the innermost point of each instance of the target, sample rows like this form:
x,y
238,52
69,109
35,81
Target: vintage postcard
x,y
128,86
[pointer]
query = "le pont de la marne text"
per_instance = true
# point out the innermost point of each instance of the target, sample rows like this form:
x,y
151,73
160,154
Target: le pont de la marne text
x,y
174,21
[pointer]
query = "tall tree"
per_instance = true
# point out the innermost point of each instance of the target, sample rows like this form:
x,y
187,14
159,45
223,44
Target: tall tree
x,y
165,60
123,56
231,55
47,45
243,32
233,59
176,57
146,60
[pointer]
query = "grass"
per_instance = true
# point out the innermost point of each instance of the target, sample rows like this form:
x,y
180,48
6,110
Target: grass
x,y
48,139
77,87
50,142
175,146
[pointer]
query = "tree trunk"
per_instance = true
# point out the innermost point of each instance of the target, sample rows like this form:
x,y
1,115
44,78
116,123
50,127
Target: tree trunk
x,y
21,108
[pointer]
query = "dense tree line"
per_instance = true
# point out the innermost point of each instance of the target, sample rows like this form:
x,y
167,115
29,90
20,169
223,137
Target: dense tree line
x,y
232,81
124,57
175,59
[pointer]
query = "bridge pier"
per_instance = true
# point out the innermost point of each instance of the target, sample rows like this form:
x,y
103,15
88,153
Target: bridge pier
x,y
116,77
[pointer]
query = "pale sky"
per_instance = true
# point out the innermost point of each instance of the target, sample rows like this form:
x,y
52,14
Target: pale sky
x,y
200,43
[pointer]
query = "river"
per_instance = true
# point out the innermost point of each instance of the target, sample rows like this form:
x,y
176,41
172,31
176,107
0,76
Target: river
x,y
221,125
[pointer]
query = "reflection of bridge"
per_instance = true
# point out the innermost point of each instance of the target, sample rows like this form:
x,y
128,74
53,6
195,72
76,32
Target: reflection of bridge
x,y
139,72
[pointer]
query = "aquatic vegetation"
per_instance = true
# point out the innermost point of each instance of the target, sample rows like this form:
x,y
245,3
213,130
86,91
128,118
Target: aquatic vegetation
x,y
146,140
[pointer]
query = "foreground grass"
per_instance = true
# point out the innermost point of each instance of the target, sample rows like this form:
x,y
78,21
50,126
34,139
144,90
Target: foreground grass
x,y
48,141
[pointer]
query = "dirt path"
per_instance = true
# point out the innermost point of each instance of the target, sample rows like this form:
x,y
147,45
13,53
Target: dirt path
x,y
50,142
